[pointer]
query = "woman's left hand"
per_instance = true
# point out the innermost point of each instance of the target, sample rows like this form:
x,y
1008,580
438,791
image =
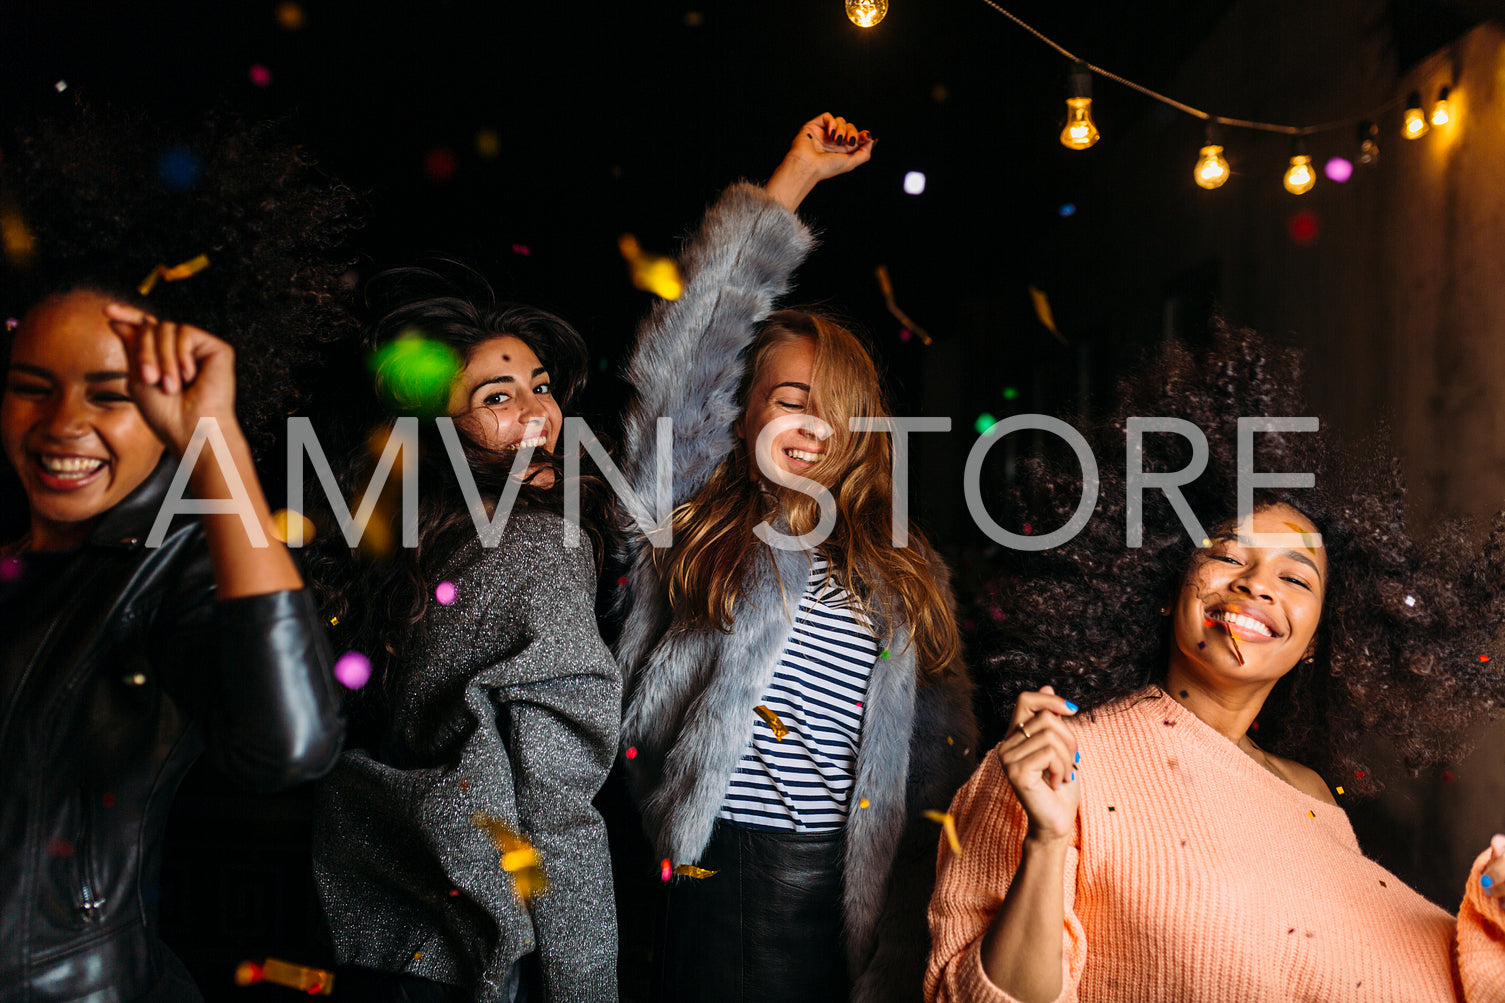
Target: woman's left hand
x,y
178,373
1493,878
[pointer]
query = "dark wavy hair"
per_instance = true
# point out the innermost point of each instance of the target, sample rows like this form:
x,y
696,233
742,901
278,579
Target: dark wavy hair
x,y
1404,643
379,598
105,196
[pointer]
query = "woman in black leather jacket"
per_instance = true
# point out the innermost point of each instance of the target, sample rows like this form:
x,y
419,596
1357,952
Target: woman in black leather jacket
x,y
134,639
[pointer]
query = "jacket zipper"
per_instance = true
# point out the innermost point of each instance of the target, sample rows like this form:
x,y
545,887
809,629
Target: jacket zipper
x,y
91,907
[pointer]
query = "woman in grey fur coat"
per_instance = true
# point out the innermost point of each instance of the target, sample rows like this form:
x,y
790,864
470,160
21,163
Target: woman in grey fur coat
x,y
795,695
491,720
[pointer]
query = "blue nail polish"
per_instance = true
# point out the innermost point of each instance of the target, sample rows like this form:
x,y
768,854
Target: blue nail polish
x,y
1073,774
1078,758
1485,881
1071,706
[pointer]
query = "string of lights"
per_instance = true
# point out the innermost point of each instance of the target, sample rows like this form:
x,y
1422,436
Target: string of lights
x,y
1211,169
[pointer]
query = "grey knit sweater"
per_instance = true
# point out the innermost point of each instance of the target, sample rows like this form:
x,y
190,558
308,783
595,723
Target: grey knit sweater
x,y
511,707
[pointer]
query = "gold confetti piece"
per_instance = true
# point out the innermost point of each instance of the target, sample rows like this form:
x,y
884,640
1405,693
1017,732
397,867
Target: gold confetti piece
x,y
862,803
948,826
780,729
1045,314
284,523
691,871
15,236
176,273
1234,642
1340,790
334,621
653,273
1310,813
516,860
886,284
314,981
519,858
950,740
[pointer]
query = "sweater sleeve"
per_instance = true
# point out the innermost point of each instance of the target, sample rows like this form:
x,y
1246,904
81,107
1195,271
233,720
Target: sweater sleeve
x,y
969,890
1481,941
560,712
687,363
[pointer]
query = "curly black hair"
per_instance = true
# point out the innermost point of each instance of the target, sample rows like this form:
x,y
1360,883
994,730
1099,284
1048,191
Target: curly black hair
x,y
96,197
379,596
1404,644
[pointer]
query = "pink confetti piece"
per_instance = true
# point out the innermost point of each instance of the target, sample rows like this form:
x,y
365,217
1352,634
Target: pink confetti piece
x,y
353,670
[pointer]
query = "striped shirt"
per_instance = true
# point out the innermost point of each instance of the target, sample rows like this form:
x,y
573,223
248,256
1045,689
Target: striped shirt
x,y
803,782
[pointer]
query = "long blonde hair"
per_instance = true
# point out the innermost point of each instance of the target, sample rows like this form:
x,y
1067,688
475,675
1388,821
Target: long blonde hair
x,y
713,532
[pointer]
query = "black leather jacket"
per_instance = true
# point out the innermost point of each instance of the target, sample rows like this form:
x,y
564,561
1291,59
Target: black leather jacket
x,y
117,669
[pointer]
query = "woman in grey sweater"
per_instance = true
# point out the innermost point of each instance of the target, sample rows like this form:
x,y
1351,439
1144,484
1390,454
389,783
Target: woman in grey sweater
x,y
796,699
457,852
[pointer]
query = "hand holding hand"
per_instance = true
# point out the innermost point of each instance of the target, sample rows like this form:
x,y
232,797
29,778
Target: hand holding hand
x,y
177,373
824,147
1040,759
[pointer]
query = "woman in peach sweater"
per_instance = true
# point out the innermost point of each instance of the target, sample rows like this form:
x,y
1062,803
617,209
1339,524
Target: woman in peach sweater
x,y
1160,842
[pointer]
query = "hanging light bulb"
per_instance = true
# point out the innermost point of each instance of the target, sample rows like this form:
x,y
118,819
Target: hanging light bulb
x,y
1369,143
1440,114
866,13
1080,131
1211,170
1416,122
1299,176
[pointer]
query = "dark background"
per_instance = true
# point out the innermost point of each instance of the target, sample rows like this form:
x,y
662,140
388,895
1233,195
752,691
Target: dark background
x,y
629,117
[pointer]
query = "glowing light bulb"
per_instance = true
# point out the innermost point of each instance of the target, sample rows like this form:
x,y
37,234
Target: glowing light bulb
x,y
1299,176
866,13
1212,169
1440,115
1415,122
1369,145
1080,131
914,183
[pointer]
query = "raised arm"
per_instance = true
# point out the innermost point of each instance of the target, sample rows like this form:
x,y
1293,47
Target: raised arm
x,y
687,364
1002,920
180,374
268,697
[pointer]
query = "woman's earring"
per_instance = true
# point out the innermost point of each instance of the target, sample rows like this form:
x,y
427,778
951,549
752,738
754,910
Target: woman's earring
x,y
1165,611
1309,659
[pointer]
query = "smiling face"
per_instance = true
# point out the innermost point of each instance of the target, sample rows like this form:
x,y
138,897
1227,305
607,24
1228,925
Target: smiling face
x,y
1268,598
781,388
68,424
502,397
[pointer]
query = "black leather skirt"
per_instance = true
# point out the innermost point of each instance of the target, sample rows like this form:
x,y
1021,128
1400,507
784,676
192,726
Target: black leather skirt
x,y
765,928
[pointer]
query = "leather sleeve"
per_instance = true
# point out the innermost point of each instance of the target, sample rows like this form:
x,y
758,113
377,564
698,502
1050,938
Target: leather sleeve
x,y
254,671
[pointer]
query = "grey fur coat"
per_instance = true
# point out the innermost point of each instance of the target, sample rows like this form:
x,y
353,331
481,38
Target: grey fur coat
x,y
511,708
690,695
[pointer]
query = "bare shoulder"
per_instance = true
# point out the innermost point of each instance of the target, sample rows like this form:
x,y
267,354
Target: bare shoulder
x,y
1303,778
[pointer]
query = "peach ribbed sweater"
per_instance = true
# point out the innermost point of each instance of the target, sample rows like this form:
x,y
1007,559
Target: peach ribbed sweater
x,y
1199,877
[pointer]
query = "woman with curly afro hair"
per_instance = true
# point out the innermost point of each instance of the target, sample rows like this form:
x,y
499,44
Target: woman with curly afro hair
x,y
134,642
1146,830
